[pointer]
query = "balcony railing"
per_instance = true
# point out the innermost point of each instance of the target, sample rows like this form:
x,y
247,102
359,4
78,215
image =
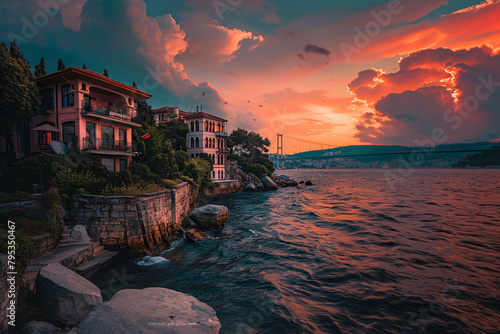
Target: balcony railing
x,y
222,134
122,113
102,144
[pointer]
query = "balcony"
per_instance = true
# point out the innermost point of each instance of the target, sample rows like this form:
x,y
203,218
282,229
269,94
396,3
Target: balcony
x,y
100,144
221,134
121,115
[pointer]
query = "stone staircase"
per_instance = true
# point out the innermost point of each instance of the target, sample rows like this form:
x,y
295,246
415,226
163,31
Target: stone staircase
x,y
84,258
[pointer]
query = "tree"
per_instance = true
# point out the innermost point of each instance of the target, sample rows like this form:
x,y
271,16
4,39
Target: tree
x,y
105,73
144,113
175,132
19,95
84,66
251,144
40,68
15,52
60,65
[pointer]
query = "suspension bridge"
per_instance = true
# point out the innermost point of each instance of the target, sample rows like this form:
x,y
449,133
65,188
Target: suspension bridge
x,y
288,149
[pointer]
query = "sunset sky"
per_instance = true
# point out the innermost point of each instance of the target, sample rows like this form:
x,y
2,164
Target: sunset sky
x,y
341,73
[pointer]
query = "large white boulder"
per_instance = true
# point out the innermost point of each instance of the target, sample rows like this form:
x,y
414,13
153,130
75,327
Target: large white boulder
x,y
68,296
151,310
79,234
209,217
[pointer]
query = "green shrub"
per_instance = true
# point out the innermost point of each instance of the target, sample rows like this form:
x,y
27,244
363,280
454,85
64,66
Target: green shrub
x,y
24,250
133,189
259,170
74,180
13,197
169,184
79,191
199,171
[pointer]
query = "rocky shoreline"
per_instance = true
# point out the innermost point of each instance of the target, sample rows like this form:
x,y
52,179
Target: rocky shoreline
x,y
75,305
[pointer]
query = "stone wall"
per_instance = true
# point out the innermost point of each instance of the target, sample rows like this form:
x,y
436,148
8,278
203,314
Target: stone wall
x,y
223,188
44,243
141,224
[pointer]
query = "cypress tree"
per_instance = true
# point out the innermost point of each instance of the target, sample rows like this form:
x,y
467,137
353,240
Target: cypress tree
x,y
60,65
40,68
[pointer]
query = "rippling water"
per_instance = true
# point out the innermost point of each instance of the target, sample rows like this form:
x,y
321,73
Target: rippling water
x,y
350,256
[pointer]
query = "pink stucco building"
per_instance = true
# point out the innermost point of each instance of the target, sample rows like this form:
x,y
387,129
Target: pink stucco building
x,y
85,106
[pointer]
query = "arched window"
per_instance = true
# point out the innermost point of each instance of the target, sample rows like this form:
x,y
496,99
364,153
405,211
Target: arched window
x,y
213,158
222,174
222,127
192,155
192,125
206,142
197,155
197,126
192,142
218,159
213,174
206,125
197,142
218,174
218,127
222,159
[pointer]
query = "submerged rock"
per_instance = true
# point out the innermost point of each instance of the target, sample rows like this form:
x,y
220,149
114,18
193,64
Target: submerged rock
x,y
309,183
68,296
151,310
291,183
194,234
269,184
209,217
39,327
79,234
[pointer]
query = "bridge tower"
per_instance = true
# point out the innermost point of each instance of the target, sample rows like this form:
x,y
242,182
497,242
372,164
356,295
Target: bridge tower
x,y
280,154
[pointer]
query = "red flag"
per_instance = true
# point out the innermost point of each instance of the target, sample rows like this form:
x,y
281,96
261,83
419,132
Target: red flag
x,y
146,136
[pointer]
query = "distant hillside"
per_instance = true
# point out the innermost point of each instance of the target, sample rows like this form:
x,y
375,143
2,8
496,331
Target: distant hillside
x,y
386,150
483,159
384,156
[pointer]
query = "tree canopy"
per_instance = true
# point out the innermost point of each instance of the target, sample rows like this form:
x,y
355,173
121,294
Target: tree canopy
x,y
250,143
60,65
40,68
19,95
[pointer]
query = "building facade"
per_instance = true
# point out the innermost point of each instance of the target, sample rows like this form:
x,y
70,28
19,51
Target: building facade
x,y
83,108
208,134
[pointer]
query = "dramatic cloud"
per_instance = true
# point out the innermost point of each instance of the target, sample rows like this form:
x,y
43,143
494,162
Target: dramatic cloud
x,y
455,91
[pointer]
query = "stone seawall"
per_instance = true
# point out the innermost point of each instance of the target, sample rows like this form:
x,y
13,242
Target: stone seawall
x,y
140,224
223,188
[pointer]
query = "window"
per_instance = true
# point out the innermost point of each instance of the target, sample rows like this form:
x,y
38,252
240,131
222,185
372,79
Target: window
x,y
122,137
47,98
90,140
197,126
222,174
213,174
129,101
218,174
123,164
44,137
84,87
197,142
192,142
192,155
109,163
68,97
206,142
192,126
218,126
68,132
206,125
218,159
107,137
